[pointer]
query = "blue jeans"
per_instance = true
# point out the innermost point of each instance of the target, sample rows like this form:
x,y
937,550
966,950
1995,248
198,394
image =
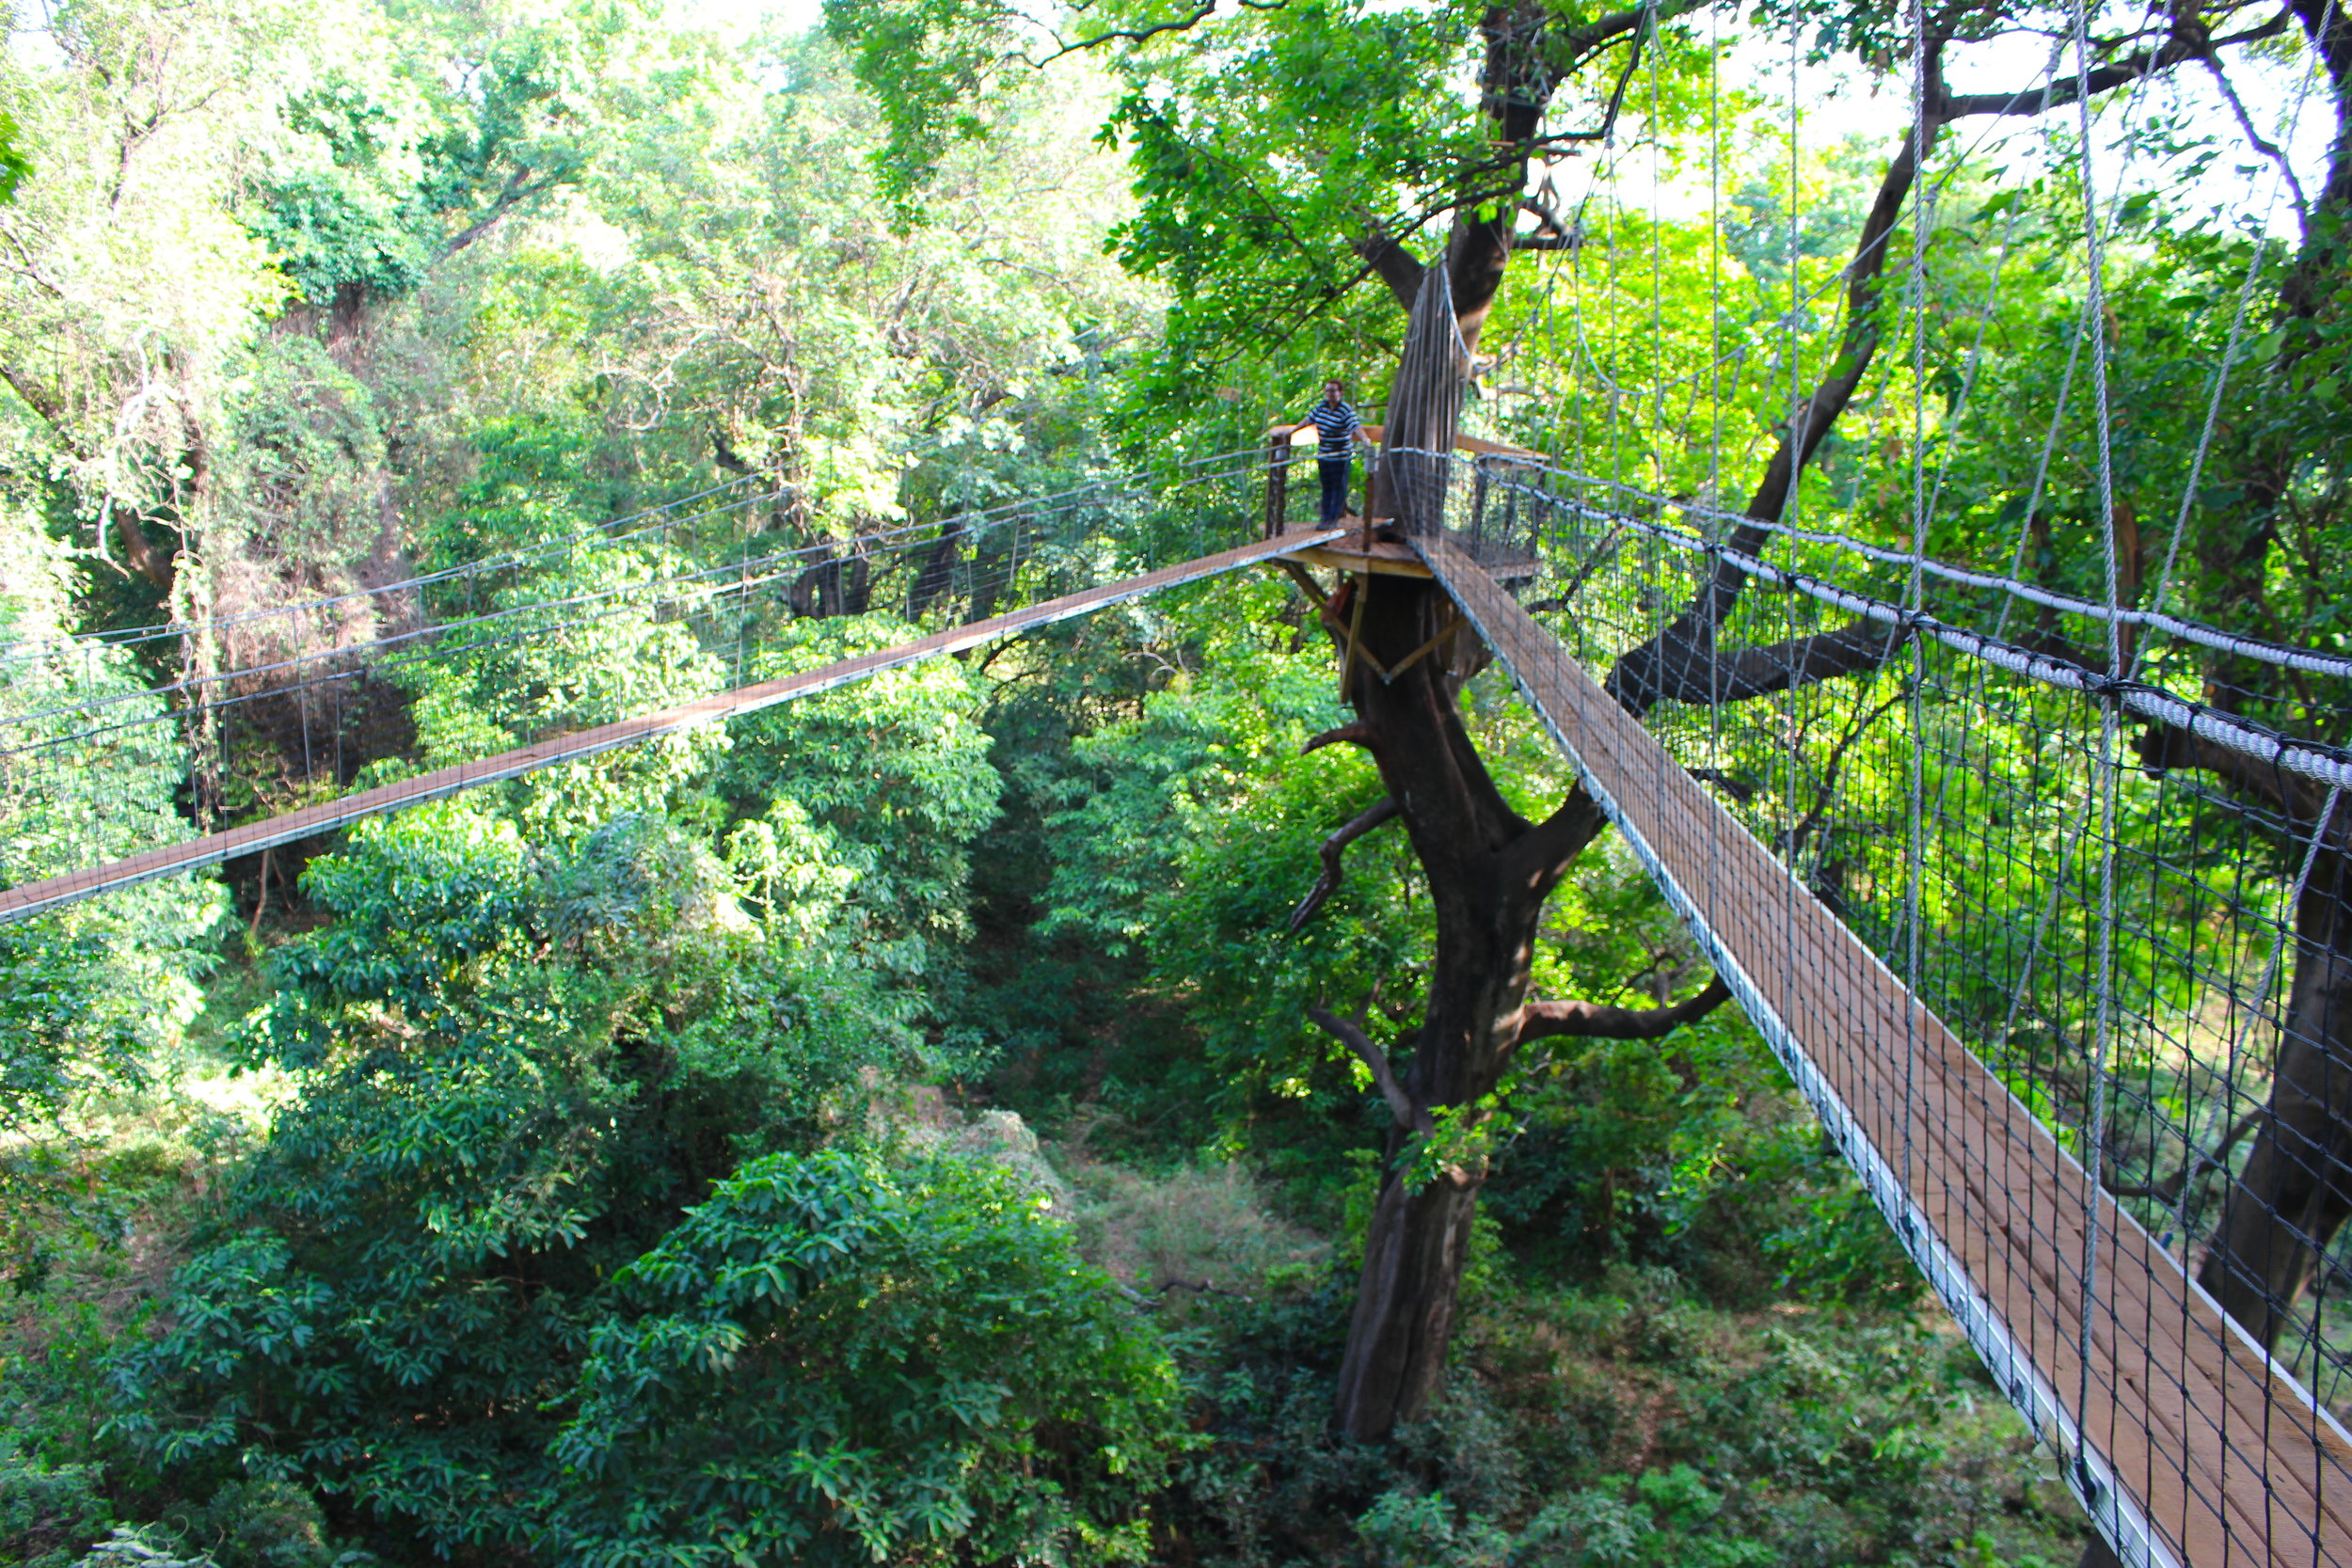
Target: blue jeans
x,y
1334,486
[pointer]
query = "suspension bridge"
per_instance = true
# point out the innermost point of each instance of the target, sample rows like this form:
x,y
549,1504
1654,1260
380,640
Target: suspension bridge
x,y
2051,943
2188,1440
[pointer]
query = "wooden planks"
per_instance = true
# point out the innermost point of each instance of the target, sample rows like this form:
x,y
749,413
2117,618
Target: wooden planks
x,y
1359,550
171,860
2186,1442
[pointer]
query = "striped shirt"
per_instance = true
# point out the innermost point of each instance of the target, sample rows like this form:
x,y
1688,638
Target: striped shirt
x,y
1336,428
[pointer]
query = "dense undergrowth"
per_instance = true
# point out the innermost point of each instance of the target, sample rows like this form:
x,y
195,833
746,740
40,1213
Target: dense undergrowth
x,y
1622,1415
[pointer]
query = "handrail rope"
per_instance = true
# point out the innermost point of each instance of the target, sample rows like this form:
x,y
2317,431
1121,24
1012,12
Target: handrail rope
x,y
2190,631
406,658
2316,760
521,555
899,540
732,570
598,537
23,899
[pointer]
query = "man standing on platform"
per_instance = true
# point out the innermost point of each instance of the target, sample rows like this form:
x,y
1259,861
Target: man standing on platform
x,y
1337,430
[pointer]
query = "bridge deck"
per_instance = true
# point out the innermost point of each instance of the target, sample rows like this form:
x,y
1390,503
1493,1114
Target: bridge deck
x,y
29,899
1378,550
2189,1444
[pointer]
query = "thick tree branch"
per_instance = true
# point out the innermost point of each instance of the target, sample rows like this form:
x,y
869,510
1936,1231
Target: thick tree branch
x,y
35,397
1681,662
1560,837
1356,733
2185,43
1185,22
1384,254
1740,789
1401,1106
2246,127
1701,673
1590,1021
519,188
1333,848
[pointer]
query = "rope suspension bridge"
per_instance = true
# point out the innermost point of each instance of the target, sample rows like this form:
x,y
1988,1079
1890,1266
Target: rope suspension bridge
x,y
974,580
2041,899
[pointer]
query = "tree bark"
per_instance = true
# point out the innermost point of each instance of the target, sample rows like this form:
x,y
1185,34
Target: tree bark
x,y
1414,1255
1489,871
2296,1190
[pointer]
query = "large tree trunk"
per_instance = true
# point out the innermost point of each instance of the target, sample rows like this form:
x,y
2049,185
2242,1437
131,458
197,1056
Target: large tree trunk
x,y
1414,1255
2295,1189
1489,871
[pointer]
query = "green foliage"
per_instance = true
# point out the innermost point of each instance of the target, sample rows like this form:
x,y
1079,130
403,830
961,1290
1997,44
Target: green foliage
x,y
91,994
834,1361
48,1514
514,1074
930,64
894,773
591,644
1662,1524
427,127
15,164
570,1238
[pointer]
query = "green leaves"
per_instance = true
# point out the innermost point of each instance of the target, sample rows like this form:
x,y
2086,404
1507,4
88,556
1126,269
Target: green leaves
x,y
14,163
840,1360
514,1069
932,66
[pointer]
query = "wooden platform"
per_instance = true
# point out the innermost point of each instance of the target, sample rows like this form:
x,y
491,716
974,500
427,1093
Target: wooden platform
x,y
171,860
1359,550
2190,1446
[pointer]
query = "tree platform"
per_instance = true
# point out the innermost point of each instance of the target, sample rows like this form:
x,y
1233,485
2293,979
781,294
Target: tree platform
x,y
1381,550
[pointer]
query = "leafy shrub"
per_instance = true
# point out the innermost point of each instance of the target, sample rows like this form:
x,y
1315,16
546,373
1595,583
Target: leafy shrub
x,y
835,1362
1408,1531
1198,1226
1668,1522
514,1075
48,1514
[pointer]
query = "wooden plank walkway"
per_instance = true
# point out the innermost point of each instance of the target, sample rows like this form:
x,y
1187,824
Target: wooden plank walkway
x,y
2187,1443
30,898
1360,550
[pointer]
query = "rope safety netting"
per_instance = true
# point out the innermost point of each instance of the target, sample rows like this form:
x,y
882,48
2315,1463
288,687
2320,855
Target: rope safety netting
x,y
549,652
2038,883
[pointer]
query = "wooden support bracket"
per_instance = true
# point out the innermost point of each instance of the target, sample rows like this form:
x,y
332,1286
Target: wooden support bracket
x,y
1355,636
1453,625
